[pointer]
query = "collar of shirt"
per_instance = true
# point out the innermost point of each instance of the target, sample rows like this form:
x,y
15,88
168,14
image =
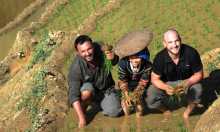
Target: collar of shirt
x,y
135,69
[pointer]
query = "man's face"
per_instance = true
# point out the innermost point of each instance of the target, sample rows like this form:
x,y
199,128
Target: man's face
x,y
172,43
86,51
135,61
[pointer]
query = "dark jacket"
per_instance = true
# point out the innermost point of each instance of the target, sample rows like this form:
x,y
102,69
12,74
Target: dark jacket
x,y
126,74
80,72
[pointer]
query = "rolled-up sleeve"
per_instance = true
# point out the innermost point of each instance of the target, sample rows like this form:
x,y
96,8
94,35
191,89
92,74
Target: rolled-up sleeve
x,y
74,82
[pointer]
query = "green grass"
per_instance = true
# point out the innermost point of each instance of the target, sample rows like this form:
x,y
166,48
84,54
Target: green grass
x,y
188,17
68,17
181,127
42,50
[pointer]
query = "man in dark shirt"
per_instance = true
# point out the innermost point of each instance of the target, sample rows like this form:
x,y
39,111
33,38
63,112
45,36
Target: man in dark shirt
x,y
177,64
91,80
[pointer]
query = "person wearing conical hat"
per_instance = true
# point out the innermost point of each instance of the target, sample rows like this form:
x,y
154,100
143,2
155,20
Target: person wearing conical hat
x,y
134,70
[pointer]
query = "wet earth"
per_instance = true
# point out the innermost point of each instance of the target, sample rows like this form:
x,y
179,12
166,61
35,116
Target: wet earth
x,y
152,121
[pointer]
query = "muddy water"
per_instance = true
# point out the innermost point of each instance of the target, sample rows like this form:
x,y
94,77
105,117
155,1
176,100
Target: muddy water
x,y
9,9
150,122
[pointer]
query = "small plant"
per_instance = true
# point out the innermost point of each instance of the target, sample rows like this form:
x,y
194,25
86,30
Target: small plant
x,y
181,127
42,50
211,67
31,100
179,90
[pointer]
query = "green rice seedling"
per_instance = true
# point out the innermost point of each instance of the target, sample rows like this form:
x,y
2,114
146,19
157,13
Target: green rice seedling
x,y
211,67
181,127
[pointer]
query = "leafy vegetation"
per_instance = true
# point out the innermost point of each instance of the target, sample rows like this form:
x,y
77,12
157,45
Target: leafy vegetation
x,y
42,50
214,64
31,100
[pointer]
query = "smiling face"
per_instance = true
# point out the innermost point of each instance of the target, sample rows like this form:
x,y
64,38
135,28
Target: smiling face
x,y
172,42
86,50
135,61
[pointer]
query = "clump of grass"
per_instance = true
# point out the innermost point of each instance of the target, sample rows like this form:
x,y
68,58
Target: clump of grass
x,y
213,65
207,29
69,16
31,100
179,90
42,50
182,128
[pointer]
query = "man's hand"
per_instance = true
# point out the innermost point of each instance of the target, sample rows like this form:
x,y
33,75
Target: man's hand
x,y
107,49
128,100
82,123
109,55
181,87
169,90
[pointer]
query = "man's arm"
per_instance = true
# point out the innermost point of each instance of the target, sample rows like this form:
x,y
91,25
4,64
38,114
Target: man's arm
x,y
74,93
195,78
197,68
74,83
80,113
157,82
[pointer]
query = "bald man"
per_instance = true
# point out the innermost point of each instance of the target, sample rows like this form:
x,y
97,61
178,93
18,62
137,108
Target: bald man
x,y
176,64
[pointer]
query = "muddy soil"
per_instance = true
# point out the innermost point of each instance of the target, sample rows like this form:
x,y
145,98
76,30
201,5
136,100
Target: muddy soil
x,y
150,122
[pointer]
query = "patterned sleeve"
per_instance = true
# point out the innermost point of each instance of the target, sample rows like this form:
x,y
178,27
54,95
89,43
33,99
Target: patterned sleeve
x,y
147,72
122,70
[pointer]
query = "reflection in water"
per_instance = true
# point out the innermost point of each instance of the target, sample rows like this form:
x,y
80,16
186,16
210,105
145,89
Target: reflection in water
x,y
138,124
128,125
125,125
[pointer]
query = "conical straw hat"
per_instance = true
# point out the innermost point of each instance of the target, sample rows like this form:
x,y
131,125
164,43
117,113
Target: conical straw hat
x,y
133,42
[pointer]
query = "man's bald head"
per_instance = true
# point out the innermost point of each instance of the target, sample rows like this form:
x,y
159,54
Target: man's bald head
x,y
172,42
170,32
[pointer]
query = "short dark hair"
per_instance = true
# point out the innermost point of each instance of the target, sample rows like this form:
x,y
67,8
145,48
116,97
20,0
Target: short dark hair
x,y
82,39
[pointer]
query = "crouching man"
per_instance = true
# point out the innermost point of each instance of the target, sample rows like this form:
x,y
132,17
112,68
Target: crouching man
x,y
91,81
177,69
